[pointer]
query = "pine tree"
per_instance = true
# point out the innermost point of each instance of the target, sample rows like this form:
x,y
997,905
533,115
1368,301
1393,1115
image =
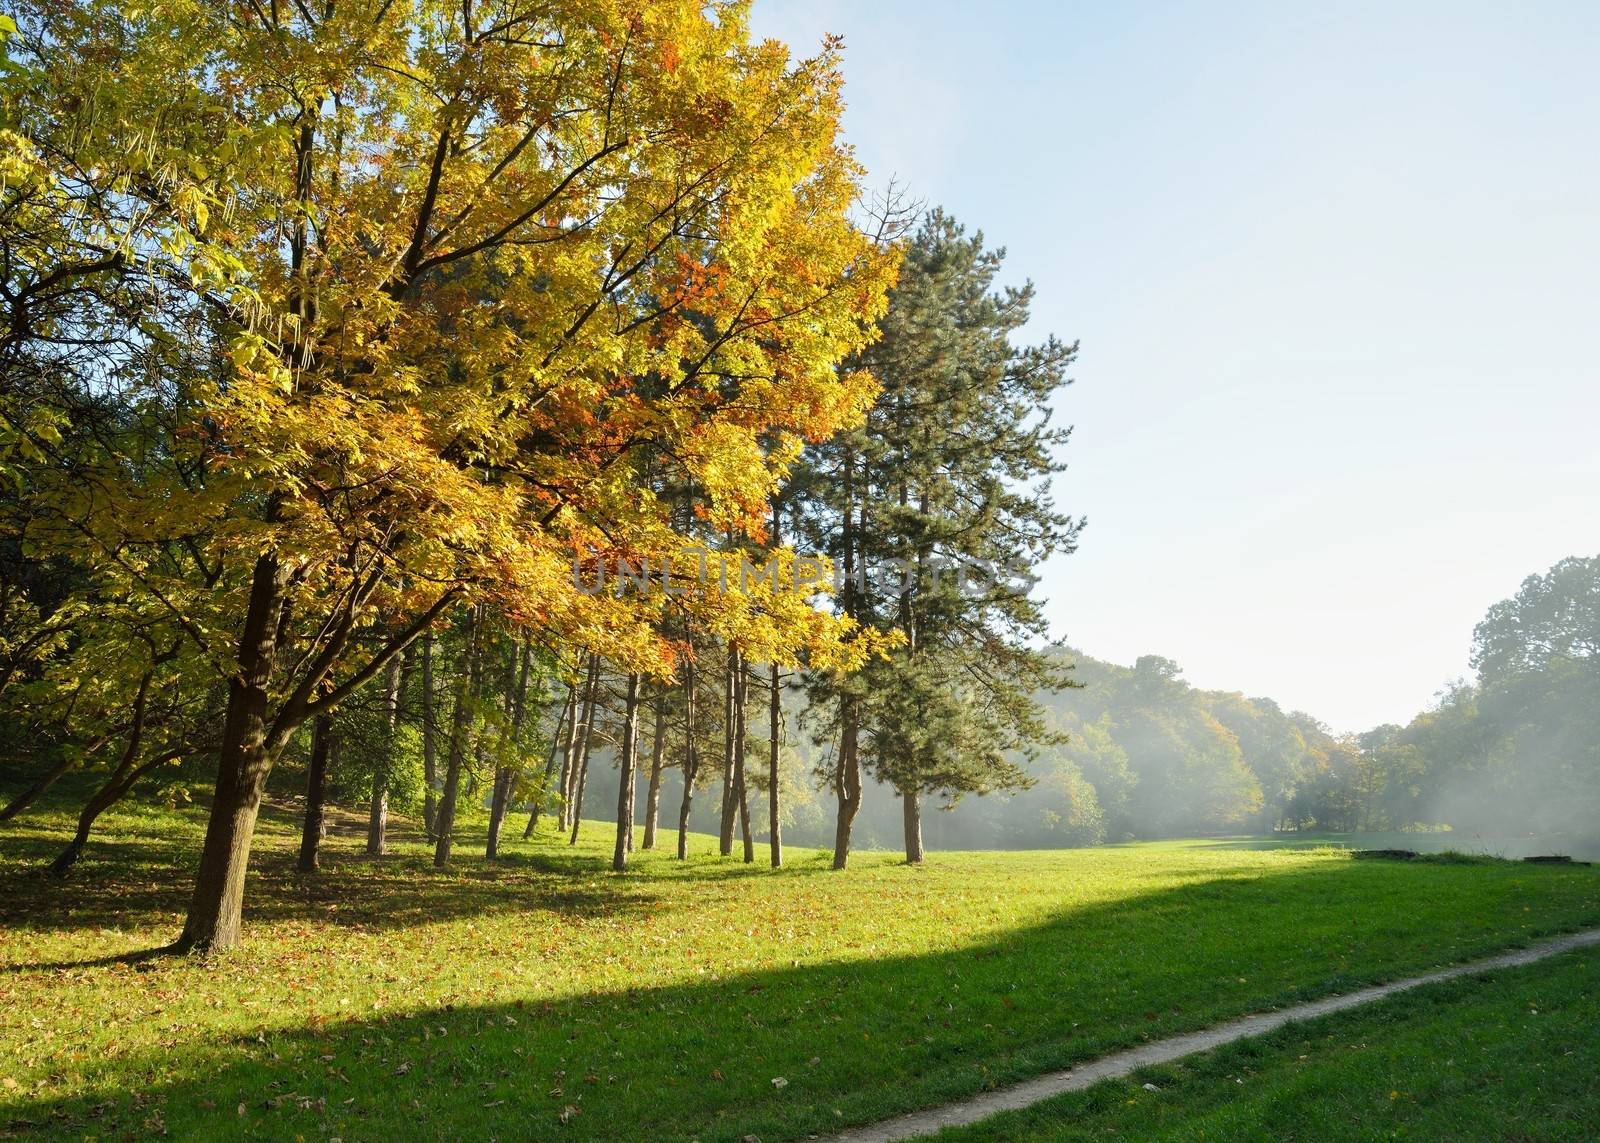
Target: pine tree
x,y
938,509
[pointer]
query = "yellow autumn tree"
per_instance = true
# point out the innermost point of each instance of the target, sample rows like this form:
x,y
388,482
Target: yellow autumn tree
x,y
394,296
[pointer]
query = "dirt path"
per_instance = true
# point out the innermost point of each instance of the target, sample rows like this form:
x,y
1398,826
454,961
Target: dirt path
x,y
1030,1092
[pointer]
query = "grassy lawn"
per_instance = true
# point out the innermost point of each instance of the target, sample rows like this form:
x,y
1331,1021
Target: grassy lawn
x,y
1507,1056
544,997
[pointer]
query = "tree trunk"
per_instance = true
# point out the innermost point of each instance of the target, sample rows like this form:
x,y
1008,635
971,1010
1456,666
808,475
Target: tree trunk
x,y
577,795
775,730
740,687
847,775
911,807
122,777
580,731
847,782
430,741
499,798
460,719
691,762
569,756
314,828
378,816
774,825
658,753
216,910
625,774
729,750
505,778
581,761
104,798
567,714
36,791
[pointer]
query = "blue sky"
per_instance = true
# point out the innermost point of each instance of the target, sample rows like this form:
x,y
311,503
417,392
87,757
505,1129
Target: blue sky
x,y
1336,274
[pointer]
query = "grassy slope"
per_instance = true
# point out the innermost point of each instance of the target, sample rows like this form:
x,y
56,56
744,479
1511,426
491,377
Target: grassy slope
x,y
383,999
1508,1056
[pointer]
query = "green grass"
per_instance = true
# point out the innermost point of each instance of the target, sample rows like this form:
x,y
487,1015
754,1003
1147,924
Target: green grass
x,y
1509,1055
544,997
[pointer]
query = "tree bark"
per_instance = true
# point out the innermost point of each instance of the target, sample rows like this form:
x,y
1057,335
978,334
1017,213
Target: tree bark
x,y
569,755
567,714
460,719
775,737
658,753
36,791
729,777
378,815
499,797
847,782
847,774
505,778
741,684
577,796
775,731
625,774
216,910
314,828
691,762
569,763
114,786
430,741
581,761
911,808
104,798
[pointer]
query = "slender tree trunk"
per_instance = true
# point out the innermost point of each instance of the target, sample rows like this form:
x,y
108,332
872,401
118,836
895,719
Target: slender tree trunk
x,y
114,786
378,814
911,808
569,757
744,825
499,797
741,685
505,778
625,774
314,828
847,783
577,797
244,760
658,754
460,721
109,794
580,760
567,714
775,730
119,783
691,762
847,774
774,823
36,791
580,731
730,779
430,741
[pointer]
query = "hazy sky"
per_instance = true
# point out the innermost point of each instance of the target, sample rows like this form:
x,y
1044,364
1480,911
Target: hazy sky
x,y
1336,274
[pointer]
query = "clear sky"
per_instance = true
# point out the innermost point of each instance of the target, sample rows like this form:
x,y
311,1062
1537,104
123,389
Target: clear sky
x,y
1336,274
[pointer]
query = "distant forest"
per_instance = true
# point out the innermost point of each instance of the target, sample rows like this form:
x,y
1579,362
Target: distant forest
x,y
1137,752
1514,751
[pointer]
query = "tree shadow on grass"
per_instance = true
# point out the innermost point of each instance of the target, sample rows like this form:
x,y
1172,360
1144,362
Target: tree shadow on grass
x,y
122,880
852,1041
